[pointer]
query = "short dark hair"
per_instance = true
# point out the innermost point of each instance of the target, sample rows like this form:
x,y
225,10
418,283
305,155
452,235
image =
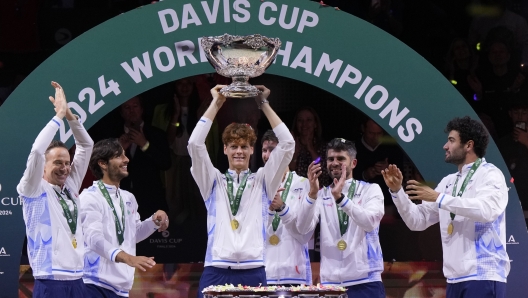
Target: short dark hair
x,y
55,144
104,150
469,129
340,144
269,135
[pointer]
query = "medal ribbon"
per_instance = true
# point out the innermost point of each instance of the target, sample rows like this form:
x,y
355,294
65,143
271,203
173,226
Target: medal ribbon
x,y
71,219
284,197
120,230
472,171
235,201
343,217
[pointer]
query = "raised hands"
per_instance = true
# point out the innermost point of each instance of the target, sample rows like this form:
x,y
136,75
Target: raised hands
x,y
218,98
393,177
314,171
338,184
59,102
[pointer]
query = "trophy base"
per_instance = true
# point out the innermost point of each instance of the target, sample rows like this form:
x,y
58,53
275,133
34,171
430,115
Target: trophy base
x,y
240,90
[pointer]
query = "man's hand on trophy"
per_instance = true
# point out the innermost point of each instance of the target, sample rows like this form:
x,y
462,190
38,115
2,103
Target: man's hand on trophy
x,y
218,98
263,95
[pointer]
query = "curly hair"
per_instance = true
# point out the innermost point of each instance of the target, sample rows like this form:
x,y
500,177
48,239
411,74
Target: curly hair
x,y
469,129
236,132
104,150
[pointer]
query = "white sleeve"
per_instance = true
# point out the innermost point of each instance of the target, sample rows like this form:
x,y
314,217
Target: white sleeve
x,y
308,214
83,152
367,215
289,216
92,225
416,217
202,168
489,202
279,159
29,185
143,228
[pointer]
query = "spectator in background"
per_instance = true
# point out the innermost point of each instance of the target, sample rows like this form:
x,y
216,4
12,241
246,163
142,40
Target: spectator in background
x,y
309,144
514,147
481,26
461,62
177,118
492,84
375,151
147,149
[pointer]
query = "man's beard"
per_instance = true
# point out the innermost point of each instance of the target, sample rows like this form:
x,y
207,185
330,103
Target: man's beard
x,y
456,159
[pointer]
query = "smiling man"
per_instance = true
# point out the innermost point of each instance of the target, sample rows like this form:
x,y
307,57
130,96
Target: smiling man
x,y
350,212
112,225
50,206
237,201
470,206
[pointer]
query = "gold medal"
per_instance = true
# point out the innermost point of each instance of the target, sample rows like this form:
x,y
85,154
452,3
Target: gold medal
x,y
274,239
341,244
74,242
450,228
234,224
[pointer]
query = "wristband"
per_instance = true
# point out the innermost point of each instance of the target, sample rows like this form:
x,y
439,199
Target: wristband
x,y
262,102
281,208
338,201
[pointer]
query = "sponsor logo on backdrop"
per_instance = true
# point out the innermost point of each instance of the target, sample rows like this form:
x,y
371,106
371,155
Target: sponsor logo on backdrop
x,y
11,201
166,241
511,240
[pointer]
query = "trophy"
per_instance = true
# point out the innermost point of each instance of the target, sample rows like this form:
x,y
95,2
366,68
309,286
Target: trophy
x,y
240,58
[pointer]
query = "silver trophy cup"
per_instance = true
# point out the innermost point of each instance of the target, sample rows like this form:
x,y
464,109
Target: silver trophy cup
x,y
240,58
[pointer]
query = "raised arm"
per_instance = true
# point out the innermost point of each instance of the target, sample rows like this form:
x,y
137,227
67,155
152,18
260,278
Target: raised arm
x,y
308,210
202,168
282,154
416,217
29,185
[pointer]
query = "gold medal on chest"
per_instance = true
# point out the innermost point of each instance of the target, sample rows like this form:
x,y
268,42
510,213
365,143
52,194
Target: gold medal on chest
x,y
450,228
341,244
234,224
274,239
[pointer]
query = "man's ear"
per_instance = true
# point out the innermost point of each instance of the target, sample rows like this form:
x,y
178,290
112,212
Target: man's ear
x,y
251,150
470,144
225,149
102,164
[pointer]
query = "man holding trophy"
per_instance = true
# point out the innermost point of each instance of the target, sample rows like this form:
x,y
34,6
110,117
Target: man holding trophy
x,y
237,201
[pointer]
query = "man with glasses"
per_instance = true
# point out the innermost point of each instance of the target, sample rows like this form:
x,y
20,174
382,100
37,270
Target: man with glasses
x,y
49,190
350,212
